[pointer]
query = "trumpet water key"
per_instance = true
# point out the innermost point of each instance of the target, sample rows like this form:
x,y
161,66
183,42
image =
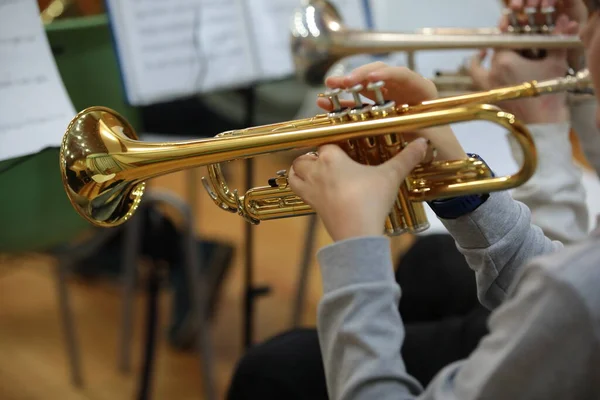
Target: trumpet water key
x,y
104,167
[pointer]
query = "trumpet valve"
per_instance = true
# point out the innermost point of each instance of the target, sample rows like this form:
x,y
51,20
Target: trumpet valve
x,y
339,113
531,26
513,22
360,111
382,106
376,87
334,96
355,92
548,13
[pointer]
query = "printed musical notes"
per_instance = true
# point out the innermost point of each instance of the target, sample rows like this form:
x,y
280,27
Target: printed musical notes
x,y
179,48
270,23
34,106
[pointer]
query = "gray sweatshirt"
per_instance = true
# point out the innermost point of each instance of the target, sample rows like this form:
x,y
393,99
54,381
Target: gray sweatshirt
x,y
555,193
544,340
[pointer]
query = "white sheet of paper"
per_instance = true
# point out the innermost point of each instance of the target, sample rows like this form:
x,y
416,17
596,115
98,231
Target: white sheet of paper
x,y
35,108
177,48
225,51
270,22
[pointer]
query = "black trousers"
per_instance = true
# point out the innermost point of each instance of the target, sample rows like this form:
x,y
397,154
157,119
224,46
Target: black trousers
x,y
443,320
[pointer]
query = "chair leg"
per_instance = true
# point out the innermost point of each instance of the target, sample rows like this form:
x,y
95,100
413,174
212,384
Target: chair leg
x,y
198,291
68,323
199,302
131,246
309,243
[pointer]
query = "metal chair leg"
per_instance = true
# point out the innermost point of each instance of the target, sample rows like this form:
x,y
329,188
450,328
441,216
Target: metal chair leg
x,y
198,289
309,244
73,352
67,255
199,294
131,251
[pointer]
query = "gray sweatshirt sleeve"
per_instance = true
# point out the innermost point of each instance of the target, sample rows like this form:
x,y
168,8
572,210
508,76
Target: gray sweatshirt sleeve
x,y
497,240
359,327
499,237
583,120
361,334
555,193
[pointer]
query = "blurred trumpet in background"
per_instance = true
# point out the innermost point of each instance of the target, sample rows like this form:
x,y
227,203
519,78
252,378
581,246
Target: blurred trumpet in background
x,y
51,10
320,39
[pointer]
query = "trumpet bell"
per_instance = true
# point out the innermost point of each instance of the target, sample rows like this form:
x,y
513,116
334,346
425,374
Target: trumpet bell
x,y
94,167
311,40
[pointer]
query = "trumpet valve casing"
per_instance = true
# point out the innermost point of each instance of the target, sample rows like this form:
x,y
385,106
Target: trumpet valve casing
x,y
278,201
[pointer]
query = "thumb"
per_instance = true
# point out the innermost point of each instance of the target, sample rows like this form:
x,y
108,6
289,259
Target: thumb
x,y
400,166
477,72
563,26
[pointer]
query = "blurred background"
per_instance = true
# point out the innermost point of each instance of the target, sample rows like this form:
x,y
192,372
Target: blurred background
x,y
93,313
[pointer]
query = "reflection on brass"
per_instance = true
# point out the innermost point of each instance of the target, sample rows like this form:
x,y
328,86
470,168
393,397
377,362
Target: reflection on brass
x,y
104,166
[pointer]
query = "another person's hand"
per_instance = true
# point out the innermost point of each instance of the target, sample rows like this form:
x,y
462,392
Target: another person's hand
x,y
510,68
403,87
575,10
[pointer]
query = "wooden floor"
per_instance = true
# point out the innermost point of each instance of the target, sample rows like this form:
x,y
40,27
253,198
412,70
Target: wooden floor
x,y
32,354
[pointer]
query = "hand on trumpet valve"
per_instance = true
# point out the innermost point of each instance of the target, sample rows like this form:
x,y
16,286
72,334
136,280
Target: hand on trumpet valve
x,y
512,22
508,68
551,10
367,192
548,13
533,20
574,9
401,85
531,26
390,87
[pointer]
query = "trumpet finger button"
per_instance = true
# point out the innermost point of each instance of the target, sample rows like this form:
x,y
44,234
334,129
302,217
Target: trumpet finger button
x,y
530,12
548,13
334,96
513,22
355,91
376,87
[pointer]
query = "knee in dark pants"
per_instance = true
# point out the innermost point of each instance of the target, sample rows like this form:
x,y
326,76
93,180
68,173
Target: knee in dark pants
x,y
436,280
287,366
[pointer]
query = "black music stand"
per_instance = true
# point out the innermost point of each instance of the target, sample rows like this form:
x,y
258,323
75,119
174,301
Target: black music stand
x,y
251,292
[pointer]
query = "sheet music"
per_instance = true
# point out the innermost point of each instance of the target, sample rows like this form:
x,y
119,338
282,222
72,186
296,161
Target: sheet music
x,y
177,48
225,50
270,22
34,106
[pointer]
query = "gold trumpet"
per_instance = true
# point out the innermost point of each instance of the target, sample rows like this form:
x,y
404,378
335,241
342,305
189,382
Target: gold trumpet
x,y
104,166
319,39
